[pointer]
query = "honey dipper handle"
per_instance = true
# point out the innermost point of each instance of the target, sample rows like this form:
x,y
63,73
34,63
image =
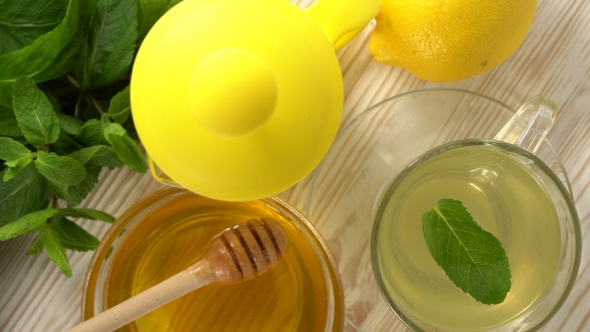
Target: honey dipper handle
x,y
170,289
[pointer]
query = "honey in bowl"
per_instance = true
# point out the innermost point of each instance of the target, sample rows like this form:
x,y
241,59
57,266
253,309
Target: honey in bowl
x,y
171,230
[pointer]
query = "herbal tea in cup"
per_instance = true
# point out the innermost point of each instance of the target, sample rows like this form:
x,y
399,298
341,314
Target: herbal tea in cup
x,y
478,234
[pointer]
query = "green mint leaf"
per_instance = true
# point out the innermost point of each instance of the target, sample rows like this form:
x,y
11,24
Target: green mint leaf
x,y
19,27
110,45
471,257
37,245
124,147
73,236
129,126
50,56
56,251
20,161
34,113
8,124
27,224
113,129
120,106
91,133
105,157
69,124
64,144
77,193
86,154
16,166
23,194
148,13
60,190
87,214
60,169
12,150
128,152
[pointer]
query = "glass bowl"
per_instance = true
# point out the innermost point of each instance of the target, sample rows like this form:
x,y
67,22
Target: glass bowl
x,y
171,229
367,153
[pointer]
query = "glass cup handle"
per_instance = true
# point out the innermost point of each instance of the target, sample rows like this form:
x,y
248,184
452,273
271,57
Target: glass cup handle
x,y
530,125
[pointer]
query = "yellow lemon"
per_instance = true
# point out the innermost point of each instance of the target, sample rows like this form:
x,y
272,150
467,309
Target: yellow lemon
x,y
449,40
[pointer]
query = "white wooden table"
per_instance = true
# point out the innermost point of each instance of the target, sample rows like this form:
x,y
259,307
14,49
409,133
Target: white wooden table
x,y
553,60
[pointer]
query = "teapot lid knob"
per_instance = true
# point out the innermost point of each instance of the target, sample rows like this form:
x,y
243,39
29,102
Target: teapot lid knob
x,y
232,92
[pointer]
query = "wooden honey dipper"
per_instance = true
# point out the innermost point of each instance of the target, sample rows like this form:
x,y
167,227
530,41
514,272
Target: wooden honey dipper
x,y
237,254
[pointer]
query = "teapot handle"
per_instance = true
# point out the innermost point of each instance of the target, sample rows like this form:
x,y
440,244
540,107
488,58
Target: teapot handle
x,y
342,20
530,125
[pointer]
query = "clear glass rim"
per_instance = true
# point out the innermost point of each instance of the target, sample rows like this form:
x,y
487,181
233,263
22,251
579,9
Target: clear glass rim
x,y
575,223
376,106
332,277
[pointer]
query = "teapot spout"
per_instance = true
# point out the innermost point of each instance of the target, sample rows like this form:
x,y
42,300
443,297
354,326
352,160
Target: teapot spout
x,y
342,20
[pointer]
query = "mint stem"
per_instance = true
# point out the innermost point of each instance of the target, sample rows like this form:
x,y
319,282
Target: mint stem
x,y
53,198
52,204
77,107
86,94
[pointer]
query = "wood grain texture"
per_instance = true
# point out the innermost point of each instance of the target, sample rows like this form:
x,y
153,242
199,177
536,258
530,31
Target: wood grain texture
x,y
553,60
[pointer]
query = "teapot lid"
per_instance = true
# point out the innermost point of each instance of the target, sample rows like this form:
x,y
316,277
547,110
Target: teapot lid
x,y
236,100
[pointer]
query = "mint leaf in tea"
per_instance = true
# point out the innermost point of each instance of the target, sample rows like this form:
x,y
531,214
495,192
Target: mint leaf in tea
x,y
471,257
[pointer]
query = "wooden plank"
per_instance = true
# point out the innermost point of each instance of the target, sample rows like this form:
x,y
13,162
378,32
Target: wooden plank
x,y
553,60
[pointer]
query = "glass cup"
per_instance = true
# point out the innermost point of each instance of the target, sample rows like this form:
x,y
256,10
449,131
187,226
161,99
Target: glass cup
x,y
368,152
511,193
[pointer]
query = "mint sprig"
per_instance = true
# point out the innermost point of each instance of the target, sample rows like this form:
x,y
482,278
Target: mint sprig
x,y
16,166
471,257
74,237
22,27
26,192
56,250
34,113
120,106
110,44
65,113
27,224
50,56
60,169
12,150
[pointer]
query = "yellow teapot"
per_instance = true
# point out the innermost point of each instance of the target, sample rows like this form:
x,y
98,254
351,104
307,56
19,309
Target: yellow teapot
x,y
240,99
